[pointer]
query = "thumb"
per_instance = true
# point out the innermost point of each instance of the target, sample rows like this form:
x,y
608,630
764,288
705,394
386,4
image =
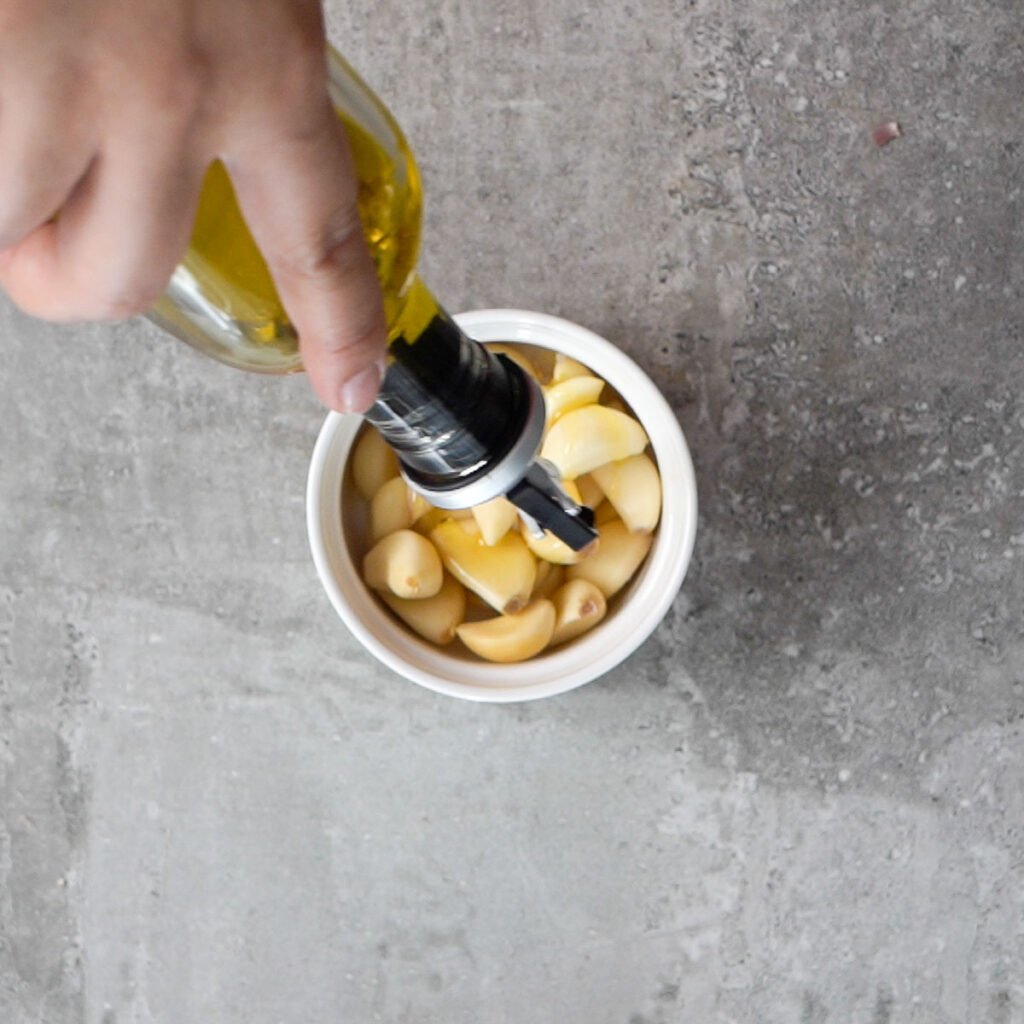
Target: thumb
x,y
297,188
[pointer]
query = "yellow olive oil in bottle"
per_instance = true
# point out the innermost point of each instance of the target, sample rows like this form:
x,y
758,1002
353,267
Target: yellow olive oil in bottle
x,y
466,424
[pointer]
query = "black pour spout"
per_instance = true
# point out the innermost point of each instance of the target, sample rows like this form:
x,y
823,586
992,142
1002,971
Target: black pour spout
x,y
467,426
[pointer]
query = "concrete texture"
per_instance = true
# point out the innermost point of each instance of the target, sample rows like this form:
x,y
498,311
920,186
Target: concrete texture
x,y
801,802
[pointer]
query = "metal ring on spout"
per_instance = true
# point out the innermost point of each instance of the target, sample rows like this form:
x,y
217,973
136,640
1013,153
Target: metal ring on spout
x,y
505,473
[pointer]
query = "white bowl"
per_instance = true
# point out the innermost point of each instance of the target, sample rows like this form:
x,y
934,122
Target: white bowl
x,y
335,518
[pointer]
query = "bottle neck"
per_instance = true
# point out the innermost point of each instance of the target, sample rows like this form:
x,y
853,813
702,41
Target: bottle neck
x,y
451,409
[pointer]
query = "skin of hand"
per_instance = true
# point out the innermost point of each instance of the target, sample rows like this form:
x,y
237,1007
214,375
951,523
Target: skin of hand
x,y
112,110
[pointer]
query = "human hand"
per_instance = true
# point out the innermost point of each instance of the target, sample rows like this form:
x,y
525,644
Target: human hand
x,y
112,110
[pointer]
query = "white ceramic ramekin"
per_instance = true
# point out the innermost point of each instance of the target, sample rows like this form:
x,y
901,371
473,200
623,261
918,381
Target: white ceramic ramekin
x,y
335,518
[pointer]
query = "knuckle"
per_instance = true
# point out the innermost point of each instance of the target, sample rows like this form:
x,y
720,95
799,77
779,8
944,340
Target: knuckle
x,y
26,205
16,20
303,34
335,251
62,295
301,69
298,89
355,339
177,88
284,76
14,226
353,335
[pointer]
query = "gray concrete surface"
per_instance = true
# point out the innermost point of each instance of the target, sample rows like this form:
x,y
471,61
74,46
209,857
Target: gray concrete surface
x,y
801,802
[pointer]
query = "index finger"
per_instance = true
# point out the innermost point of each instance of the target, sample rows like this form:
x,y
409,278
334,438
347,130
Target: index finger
x,y
298,189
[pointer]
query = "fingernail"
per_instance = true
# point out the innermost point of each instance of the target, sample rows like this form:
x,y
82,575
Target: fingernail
x,y
358,392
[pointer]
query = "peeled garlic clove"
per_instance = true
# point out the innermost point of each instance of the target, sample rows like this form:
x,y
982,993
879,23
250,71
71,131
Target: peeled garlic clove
x,y
495,518
511,637
405,563
389,509
579,606
591,494
619,554
373,463
517,357
586,438
565,367
502,574
633,487
548,547
434,618
570,394
549,578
